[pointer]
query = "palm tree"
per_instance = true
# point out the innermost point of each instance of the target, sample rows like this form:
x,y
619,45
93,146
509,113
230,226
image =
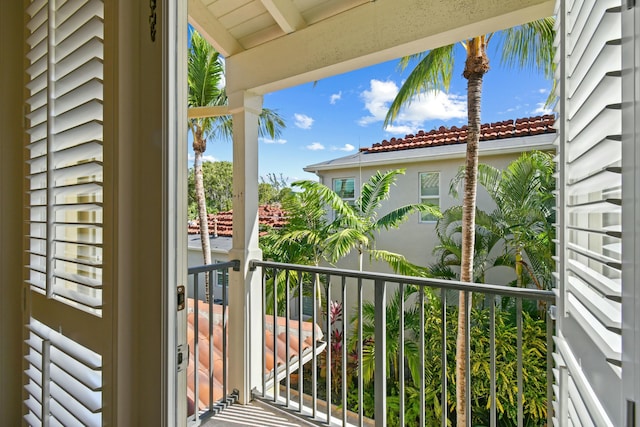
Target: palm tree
x,y
448,251
323,227
356,225
524,216
205,74
529,45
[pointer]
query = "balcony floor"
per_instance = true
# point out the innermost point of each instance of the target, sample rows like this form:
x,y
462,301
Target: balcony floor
x,y
256,414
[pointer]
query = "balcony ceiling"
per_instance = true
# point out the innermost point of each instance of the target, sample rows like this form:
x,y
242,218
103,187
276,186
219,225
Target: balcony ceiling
x,y
295,41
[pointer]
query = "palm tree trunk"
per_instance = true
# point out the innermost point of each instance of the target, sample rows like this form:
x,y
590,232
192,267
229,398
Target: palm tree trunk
x,y
202,215
476,66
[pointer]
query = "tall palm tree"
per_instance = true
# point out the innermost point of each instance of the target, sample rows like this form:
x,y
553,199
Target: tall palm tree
x,y
205,76
529,45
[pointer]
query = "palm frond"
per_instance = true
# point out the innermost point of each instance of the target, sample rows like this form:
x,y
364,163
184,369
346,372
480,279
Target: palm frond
x,y
340,243
376,190
399,264
397,216
433,72
530,46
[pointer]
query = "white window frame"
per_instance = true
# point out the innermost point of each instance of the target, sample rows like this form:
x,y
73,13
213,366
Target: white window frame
x,y
346,199
422,198
220,274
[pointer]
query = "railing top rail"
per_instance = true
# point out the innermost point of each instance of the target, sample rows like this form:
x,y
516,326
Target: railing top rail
x,y
502,290
235,264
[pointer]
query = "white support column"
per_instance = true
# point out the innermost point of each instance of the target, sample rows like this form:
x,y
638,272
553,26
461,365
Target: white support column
x,y
245,301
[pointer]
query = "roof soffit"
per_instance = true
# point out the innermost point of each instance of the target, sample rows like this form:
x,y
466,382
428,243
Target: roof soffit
x,y
368,34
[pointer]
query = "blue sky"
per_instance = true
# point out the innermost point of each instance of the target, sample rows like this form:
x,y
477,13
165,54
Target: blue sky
x,y
339,114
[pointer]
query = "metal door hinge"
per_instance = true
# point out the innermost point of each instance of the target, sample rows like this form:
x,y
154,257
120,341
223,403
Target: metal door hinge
x,y
631,4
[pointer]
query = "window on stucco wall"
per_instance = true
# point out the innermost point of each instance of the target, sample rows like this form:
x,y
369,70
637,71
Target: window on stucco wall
x,y
429,193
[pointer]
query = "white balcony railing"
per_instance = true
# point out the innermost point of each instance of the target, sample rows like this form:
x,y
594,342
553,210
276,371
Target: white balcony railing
x,y
304,349
420,298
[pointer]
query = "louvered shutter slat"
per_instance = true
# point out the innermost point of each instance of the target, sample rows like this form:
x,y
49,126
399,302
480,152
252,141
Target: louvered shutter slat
x,y
33,405
32,419
90,131
91,400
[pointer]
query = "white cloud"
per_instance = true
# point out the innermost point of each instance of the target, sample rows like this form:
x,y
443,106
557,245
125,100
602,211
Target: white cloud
x,y
315,146
541,109
303,121
274,141
205,158
345,147
436,105
543,91
335,98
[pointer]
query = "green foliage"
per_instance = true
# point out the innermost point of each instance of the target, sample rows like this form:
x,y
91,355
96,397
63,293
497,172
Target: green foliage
x,y
218,187
534,362
273,189
448,251
524,216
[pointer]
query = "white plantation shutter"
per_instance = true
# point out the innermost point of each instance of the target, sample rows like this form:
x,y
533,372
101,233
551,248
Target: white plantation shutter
x,y
589,342
64,376
64,121
65,150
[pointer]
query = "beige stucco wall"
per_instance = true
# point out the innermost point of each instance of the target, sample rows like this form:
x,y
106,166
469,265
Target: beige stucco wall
x,y
414,239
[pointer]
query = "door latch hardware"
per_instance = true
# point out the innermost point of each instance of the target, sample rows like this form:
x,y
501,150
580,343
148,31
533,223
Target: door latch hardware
x,y
182,357
181,298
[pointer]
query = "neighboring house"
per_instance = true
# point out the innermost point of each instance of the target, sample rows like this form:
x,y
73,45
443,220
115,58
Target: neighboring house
x,y
220,241
431,160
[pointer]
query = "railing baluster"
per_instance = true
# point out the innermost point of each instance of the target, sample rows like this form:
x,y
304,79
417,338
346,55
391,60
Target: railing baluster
x,y
210,325
196,353
422,386
276,387
300,338
360,379
287,333
401,352
549,324
314,360
264,329
225,354
344,352
328,351
519,367
492,358
444,403
380,375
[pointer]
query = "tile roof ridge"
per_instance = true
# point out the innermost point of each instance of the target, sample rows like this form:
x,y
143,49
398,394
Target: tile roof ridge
x,y
509,128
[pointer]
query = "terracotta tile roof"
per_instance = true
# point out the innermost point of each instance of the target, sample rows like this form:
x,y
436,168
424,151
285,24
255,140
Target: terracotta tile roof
x,y
203,349
269,215
448,136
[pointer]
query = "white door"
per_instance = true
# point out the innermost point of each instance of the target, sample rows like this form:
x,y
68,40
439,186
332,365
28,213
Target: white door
x,y
72,218
68,326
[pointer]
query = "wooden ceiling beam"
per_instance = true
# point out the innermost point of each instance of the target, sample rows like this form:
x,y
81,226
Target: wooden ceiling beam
x,y
285,14
212,30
